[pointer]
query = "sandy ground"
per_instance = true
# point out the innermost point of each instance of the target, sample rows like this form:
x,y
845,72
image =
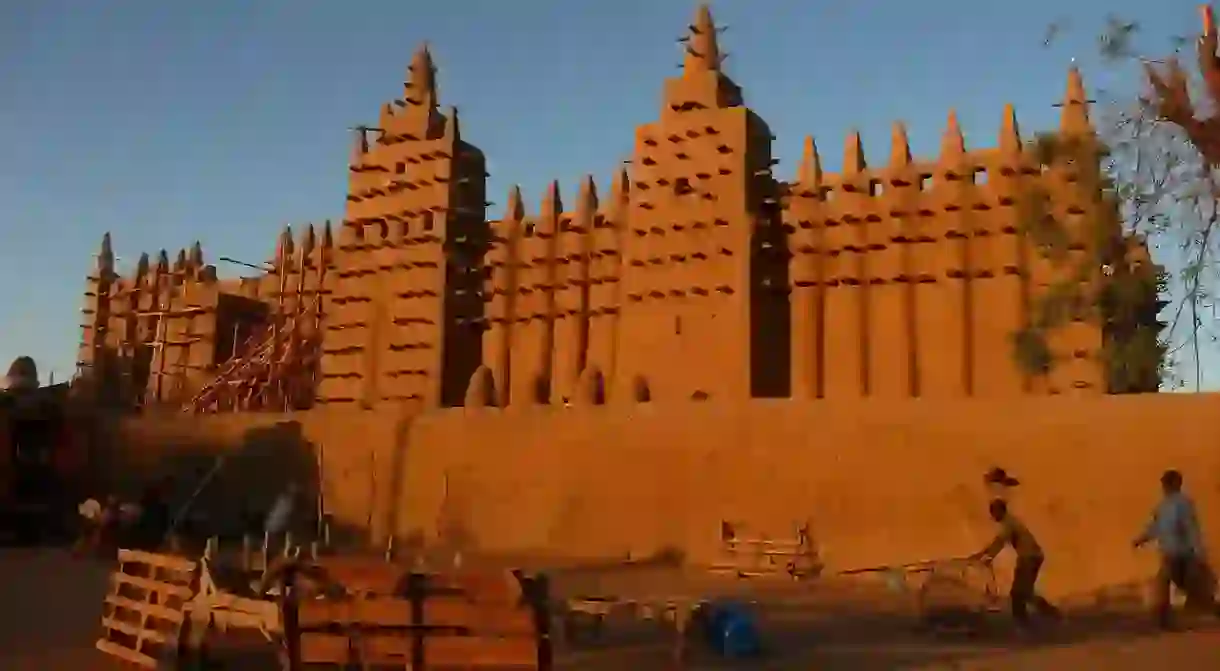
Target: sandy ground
x,y
52,605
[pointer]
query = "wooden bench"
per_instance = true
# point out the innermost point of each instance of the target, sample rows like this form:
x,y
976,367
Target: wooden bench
x,y
391,618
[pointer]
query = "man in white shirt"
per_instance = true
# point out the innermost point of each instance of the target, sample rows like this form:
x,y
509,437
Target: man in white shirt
x,y
1175,528
279,520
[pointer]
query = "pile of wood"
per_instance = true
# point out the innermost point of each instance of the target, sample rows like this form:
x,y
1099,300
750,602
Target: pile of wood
x,y
369,613
796,557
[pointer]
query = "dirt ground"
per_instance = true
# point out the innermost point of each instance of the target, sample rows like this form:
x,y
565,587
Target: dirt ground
x,y
52,606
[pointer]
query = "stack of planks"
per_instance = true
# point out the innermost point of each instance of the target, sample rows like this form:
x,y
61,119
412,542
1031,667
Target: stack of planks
x,y
386,617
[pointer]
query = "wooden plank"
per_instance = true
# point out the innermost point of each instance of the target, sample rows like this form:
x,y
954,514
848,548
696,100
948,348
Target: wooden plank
x,y
154,610
372,612
152,585
467,652
133,630
126,654
385,648
171,562
324,649
481,618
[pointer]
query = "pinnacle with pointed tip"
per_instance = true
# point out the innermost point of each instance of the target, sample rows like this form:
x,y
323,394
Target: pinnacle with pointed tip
x,y
1010,132
952,143
309,240
285,246
515,210
162,262
853,155
586,200
142,265
1075,115
452,129
900,147
180,261
105,255
702,48
809,171
196,258
328,237
552,206
421,84
620,186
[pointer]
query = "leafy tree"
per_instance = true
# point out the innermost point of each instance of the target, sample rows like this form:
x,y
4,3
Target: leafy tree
x,y
1163,150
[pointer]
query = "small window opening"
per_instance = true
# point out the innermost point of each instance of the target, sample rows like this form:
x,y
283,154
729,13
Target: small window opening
x,y
682,186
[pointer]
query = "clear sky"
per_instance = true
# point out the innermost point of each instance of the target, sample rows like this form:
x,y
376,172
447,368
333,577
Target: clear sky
x,y
167,122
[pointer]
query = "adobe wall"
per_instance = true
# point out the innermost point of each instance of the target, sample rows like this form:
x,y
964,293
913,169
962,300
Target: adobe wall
x,y
263,452
882,482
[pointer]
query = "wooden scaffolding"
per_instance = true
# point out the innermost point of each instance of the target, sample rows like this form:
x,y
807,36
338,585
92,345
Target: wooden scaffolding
x,y
275,368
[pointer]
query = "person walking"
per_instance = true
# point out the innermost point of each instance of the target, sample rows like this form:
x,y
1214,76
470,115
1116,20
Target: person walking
x,y
1030,558
1175,529
279,519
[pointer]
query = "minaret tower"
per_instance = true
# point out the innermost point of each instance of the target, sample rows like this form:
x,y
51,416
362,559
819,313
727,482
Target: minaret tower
x,y
700,175
405,322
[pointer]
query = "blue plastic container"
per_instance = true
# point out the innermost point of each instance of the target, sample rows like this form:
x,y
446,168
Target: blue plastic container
x,y
732,631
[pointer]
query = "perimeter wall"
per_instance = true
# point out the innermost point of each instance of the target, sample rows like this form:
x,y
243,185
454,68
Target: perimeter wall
x,y
881,482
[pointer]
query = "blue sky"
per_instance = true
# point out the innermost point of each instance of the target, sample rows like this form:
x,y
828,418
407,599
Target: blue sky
x,y
166,122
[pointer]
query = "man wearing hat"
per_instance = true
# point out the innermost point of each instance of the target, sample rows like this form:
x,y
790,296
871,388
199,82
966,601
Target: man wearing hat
x,y
999,483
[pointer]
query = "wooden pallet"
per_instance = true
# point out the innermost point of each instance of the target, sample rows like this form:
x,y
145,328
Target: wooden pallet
x,y
143,613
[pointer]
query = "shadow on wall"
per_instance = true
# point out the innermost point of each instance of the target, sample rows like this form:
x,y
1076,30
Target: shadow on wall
x,y
232,474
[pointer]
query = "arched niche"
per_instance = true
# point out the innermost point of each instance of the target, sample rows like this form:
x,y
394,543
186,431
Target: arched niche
x,y
542,389
640,390
481,392
591,389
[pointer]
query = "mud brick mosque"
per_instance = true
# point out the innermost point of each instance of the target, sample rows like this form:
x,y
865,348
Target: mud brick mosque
x,y
698,275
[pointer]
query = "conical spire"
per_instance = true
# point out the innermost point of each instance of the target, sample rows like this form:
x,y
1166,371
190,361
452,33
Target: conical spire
x,y
1010,133
162,263
285,247
853,155
1075,115
900,147
421,81
952,144
142,265
328,238
452,129
105,255
309,240
620,196
586,200
552,207
180,261
702,49
515,211
809,171
196,257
